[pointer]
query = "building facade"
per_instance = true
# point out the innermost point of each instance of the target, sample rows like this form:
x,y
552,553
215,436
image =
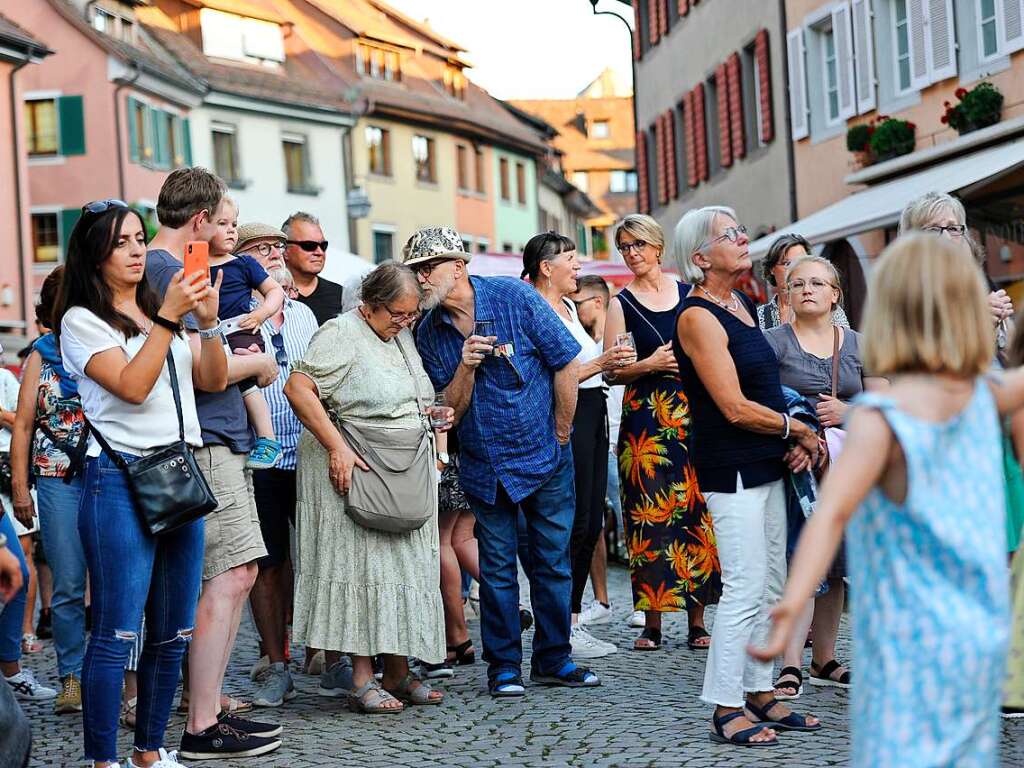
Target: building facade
x,y
710,110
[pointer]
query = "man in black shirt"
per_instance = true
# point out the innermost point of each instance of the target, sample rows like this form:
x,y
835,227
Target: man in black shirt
x,y
305,257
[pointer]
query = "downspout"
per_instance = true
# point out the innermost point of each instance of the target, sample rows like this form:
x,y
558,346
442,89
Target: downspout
x,y
22,273
119,149
790,150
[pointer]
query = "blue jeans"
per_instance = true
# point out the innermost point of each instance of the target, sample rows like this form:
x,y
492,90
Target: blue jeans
x,y
133,574
549,514
13,613
58,526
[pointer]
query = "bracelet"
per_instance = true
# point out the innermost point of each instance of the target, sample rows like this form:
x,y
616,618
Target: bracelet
x,y
170,325
211,333
785,426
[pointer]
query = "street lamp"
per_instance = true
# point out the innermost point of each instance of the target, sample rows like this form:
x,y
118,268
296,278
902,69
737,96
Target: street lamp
x,y
358,203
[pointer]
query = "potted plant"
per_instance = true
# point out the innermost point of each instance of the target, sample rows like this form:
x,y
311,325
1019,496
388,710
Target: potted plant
x,y
892,137
979,107
858,141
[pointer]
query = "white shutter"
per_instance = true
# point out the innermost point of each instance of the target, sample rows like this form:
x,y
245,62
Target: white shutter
x,y
797,84
941,39
844,61
917,20
1010,23
864,55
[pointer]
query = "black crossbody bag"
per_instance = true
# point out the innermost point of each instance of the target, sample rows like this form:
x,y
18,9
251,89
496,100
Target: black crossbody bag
x,y
168,488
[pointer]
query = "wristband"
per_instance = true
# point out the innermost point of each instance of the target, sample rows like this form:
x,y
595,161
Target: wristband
x,y
785,426
210,333
170,325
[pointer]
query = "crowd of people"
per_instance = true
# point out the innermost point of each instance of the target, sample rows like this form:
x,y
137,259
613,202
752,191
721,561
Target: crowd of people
x,y
362,460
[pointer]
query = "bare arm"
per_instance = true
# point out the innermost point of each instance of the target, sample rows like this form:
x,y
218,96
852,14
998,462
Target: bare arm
x,y
566,387
273,300
21,439
662,360
252,365
1008,390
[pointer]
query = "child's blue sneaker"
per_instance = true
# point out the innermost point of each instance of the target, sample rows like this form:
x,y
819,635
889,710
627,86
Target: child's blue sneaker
x,y
265,454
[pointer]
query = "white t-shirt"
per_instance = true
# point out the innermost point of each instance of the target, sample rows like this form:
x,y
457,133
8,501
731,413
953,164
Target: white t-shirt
x,y
9,387
614,414
134,429
591,349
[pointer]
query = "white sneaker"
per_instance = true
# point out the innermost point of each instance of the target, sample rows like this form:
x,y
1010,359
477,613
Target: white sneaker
x,y
164,759
637,620
27,688
596,613
586,646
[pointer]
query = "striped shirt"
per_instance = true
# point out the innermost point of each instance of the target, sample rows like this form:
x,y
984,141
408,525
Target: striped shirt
x,y
297,329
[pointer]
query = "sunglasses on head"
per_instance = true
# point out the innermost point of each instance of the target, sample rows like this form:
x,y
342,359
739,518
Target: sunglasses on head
x,y
310,245
101,206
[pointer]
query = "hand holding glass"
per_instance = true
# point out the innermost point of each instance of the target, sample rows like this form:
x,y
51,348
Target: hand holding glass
x,y
439,413
485,330
625,340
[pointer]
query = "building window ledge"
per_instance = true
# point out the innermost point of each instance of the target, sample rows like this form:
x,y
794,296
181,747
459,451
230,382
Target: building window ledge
x,y
311,191
237,183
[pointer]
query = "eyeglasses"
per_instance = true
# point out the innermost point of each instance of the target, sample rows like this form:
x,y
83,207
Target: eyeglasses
x,y
279,351
955,231
427,267
310,245
732,234
815,282
264,249
584,301
636,246
401,317
101,206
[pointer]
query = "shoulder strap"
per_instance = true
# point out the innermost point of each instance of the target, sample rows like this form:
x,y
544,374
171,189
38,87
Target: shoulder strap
x,y
625,297
835,359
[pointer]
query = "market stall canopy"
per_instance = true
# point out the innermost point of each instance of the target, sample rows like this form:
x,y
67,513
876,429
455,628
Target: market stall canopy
x,y
880,205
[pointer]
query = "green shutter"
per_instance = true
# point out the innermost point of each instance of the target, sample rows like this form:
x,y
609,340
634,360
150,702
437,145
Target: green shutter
x,y
71,114
133,137
156,157
68,218
187,141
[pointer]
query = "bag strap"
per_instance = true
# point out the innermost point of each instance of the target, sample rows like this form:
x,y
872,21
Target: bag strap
x,y
75,453
624,296
835,359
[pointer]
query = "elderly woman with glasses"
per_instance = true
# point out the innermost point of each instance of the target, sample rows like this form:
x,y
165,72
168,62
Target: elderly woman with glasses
x,y
782,254
362,590
672,557
742,438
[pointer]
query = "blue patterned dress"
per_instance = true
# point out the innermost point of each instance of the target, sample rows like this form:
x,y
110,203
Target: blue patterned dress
x,y
929,596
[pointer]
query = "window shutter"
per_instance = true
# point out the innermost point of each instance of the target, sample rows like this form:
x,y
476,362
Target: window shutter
x,y
186,132
637,50
642,188
683,7
68,218
735,84
700,131
653,21
764,68
671,155
724,139
941,39
1010,23
663,16
71,118
161,143
863,55
659,159
917,15
133,138
844,60
690,139
797,85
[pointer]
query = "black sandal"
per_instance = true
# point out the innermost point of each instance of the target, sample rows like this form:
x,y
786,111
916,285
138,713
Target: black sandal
x,y
695,634
823,676
465,654
785,685
651,634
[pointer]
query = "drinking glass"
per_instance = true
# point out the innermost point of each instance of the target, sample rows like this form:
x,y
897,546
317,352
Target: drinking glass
x,y
438,412
485,328
626,340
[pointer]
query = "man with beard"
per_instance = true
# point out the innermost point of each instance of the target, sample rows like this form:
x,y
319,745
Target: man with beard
x,y
513,388
285,335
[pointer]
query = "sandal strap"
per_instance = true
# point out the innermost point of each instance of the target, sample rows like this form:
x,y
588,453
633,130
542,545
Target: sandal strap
x,y
720,722
827,668
793,672
461,648
696,633
652,634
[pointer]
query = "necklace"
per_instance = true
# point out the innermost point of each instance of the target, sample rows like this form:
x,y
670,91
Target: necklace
x,y
724,305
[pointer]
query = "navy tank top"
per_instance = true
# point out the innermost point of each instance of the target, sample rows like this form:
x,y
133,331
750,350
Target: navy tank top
x,y
720,450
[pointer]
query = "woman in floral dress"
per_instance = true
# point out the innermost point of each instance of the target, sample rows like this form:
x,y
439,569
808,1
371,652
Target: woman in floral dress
x,y
673,560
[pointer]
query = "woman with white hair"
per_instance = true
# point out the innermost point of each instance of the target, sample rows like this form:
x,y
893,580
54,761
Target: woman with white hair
x,y
742,439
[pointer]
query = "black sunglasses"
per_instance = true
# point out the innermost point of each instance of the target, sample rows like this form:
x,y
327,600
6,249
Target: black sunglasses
x,y
101,206
310,245
279,352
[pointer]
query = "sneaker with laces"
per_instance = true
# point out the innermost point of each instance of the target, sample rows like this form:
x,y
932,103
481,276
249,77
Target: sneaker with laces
x,y
596,613
70,697
337,680
637,620
586,646
165,759
222,741
252,727
27,688
265,454
276,687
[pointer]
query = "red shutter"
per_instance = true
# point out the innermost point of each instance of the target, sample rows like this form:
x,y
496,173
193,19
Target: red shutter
x,y
684,7
764,70
722,93
700,132
663,15
671,156
653,21
643,196
659,155
637,50
689,139
734,78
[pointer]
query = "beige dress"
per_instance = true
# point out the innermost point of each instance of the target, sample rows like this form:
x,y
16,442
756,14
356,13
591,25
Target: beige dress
x,y
358,590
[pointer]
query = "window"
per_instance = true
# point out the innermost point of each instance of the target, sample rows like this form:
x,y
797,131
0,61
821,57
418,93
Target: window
x,y
622,181
378,150
831,73
902,44
521,183
423,157
225,154
41,120
461,172
383,246
482,245
506,247
600,129
581,180
751,95
712,131
45,238
102,21
503,173
454,82
481,179
987,28
467,244
296,163
379,63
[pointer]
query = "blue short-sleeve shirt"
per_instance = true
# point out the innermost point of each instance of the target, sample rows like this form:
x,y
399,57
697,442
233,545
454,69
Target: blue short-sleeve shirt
x,y
242,275
508,432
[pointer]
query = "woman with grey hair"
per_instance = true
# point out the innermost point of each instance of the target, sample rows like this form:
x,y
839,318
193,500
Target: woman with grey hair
x,y
359,589
742,440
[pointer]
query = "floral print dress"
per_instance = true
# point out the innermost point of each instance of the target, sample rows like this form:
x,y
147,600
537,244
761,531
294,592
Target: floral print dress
x,y
673,559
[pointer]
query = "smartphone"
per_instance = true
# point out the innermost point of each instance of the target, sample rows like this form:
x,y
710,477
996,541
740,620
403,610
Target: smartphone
x,y
197,257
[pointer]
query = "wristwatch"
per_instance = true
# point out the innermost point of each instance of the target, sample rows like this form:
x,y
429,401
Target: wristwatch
x,y
444,458
209,333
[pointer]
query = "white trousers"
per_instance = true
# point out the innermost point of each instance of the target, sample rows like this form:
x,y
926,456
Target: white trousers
x,y
750,528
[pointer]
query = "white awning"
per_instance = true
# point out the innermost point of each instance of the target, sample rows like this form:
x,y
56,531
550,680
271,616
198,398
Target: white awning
x,y
880,205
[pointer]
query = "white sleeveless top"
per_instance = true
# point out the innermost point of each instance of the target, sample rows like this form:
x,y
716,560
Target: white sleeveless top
x,y
591,349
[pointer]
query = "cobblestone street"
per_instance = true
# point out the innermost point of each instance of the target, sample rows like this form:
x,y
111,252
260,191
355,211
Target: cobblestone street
x,y
646,713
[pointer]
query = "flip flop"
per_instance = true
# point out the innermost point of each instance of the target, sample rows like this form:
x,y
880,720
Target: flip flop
x,y
740,738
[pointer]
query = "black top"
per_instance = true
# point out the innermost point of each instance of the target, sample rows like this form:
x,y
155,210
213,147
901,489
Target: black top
x,y
650,328
720,450
325,300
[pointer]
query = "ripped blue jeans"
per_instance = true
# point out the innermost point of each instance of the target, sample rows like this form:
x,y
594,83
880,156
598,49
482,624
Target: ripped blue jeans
x,y
131,575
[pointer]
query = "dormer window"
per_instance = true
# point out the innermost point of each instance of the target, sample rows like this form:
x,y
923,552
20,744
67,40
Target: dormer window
x,y
238,38
455,82
378,62
113,24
